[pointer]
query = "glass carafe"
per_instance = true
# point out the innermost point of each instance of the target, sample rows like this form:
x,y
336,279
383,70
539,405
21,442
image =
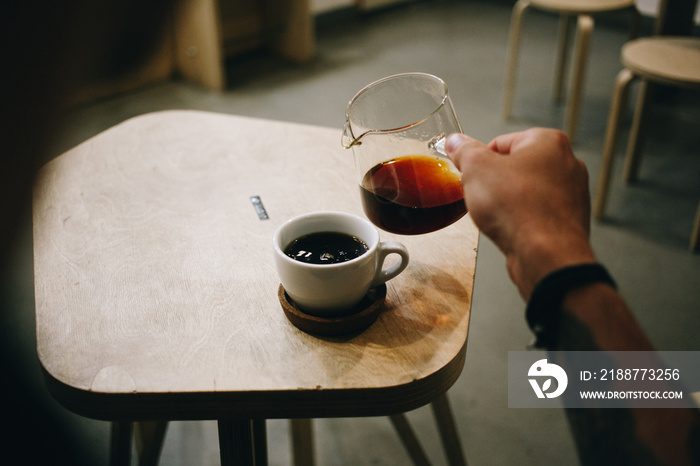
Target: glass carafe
x,y
396,128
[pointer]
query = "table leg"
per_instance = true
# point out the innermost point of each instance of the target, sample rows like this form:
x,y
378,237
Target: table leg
x,y
240,440
260,441
302,442
448,431
149,437
120,444
409,440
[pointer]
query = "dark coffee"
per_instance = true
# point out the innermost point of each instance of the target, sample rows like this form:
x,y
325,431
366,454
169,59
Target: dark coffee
x,y
412,195
328,247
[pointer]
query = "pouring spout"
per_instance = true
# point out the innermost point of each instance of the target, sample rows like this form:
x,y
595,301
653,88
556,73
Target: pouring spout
x,y
348,140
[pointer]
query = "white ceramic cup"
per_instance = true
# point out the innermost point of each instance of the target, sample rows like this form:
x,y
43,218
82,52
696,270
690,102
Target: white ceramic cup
x,y
331,290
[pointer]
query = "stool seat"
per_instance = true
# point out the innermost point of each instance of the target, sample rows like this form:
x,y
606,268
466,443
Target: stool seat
x,y
668,60
673,61
581,6
582,11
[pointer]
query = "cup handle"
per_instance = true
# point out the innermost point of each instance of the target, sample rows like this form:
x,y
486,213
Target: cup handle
x,y
383,250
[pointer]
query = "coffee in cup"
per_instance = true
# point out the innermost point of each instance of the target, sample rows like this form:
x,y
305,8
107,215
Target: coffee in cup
x,y
326,247
328,261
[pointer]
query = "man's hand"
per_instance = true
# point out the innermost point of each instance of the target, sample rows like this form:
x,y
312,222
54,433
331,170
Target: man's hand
x,y
529,194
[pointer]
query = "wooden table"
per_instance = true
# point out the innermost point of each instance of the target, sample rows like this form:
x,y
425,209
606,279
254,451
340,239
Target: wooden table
x,y
156,292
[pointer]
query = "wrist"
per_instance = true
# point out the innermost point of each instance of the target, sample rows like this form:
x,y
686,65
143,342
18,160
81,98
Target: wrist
x,y
541,255
543,312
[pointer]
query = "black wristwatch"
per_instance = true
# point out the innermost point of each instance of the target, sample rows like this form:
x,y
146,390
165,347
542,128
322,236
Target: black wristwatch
x,y
543,311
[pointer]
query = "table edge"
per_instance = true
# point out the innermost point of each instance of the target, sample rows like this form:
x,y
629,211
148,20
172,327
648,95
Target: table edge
x,y
263,404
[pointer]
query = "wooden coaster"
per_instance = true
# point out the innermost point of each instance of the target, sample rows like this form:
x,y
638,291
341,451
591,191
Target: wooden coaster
x,y
358,319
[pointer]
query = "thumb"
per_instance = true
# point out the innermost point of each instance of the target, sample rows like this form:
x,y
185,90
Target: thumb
x,y
460,147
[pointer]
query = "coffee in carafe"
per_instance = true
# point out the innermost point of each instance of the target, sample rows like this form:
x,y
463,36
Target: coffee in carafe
x,y
413,194
397,128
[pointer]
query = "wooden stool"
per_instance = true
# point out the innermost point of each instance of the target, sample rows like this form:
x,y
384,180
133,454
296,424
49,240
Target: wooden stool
x,y
567,9
672,61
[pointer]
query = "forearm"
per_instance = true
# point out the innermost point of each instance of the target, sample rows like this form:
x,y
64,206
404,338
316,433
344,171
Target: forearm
x,y
529,194
595,318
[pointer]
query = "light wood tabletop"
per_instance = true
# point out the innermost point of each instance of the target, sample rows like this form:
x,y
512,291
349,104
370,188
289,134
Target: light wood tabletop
x,y
156,292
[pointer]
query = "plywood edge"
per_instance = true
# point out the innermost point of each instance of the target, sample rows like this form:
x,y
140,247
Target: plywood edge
x,y
280,404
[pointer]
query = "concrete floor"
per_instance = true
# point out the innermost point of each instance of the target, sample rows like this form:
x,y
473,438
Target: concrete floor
x,y
643,241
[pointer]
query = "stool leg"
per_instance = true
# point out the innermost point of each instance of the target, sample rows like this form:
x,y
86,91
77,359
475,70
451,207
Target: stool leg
x,y
409,440
631,171
578,73
563,36
302,442
448,431
622,81
149,438
513,45
120,444
695,236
